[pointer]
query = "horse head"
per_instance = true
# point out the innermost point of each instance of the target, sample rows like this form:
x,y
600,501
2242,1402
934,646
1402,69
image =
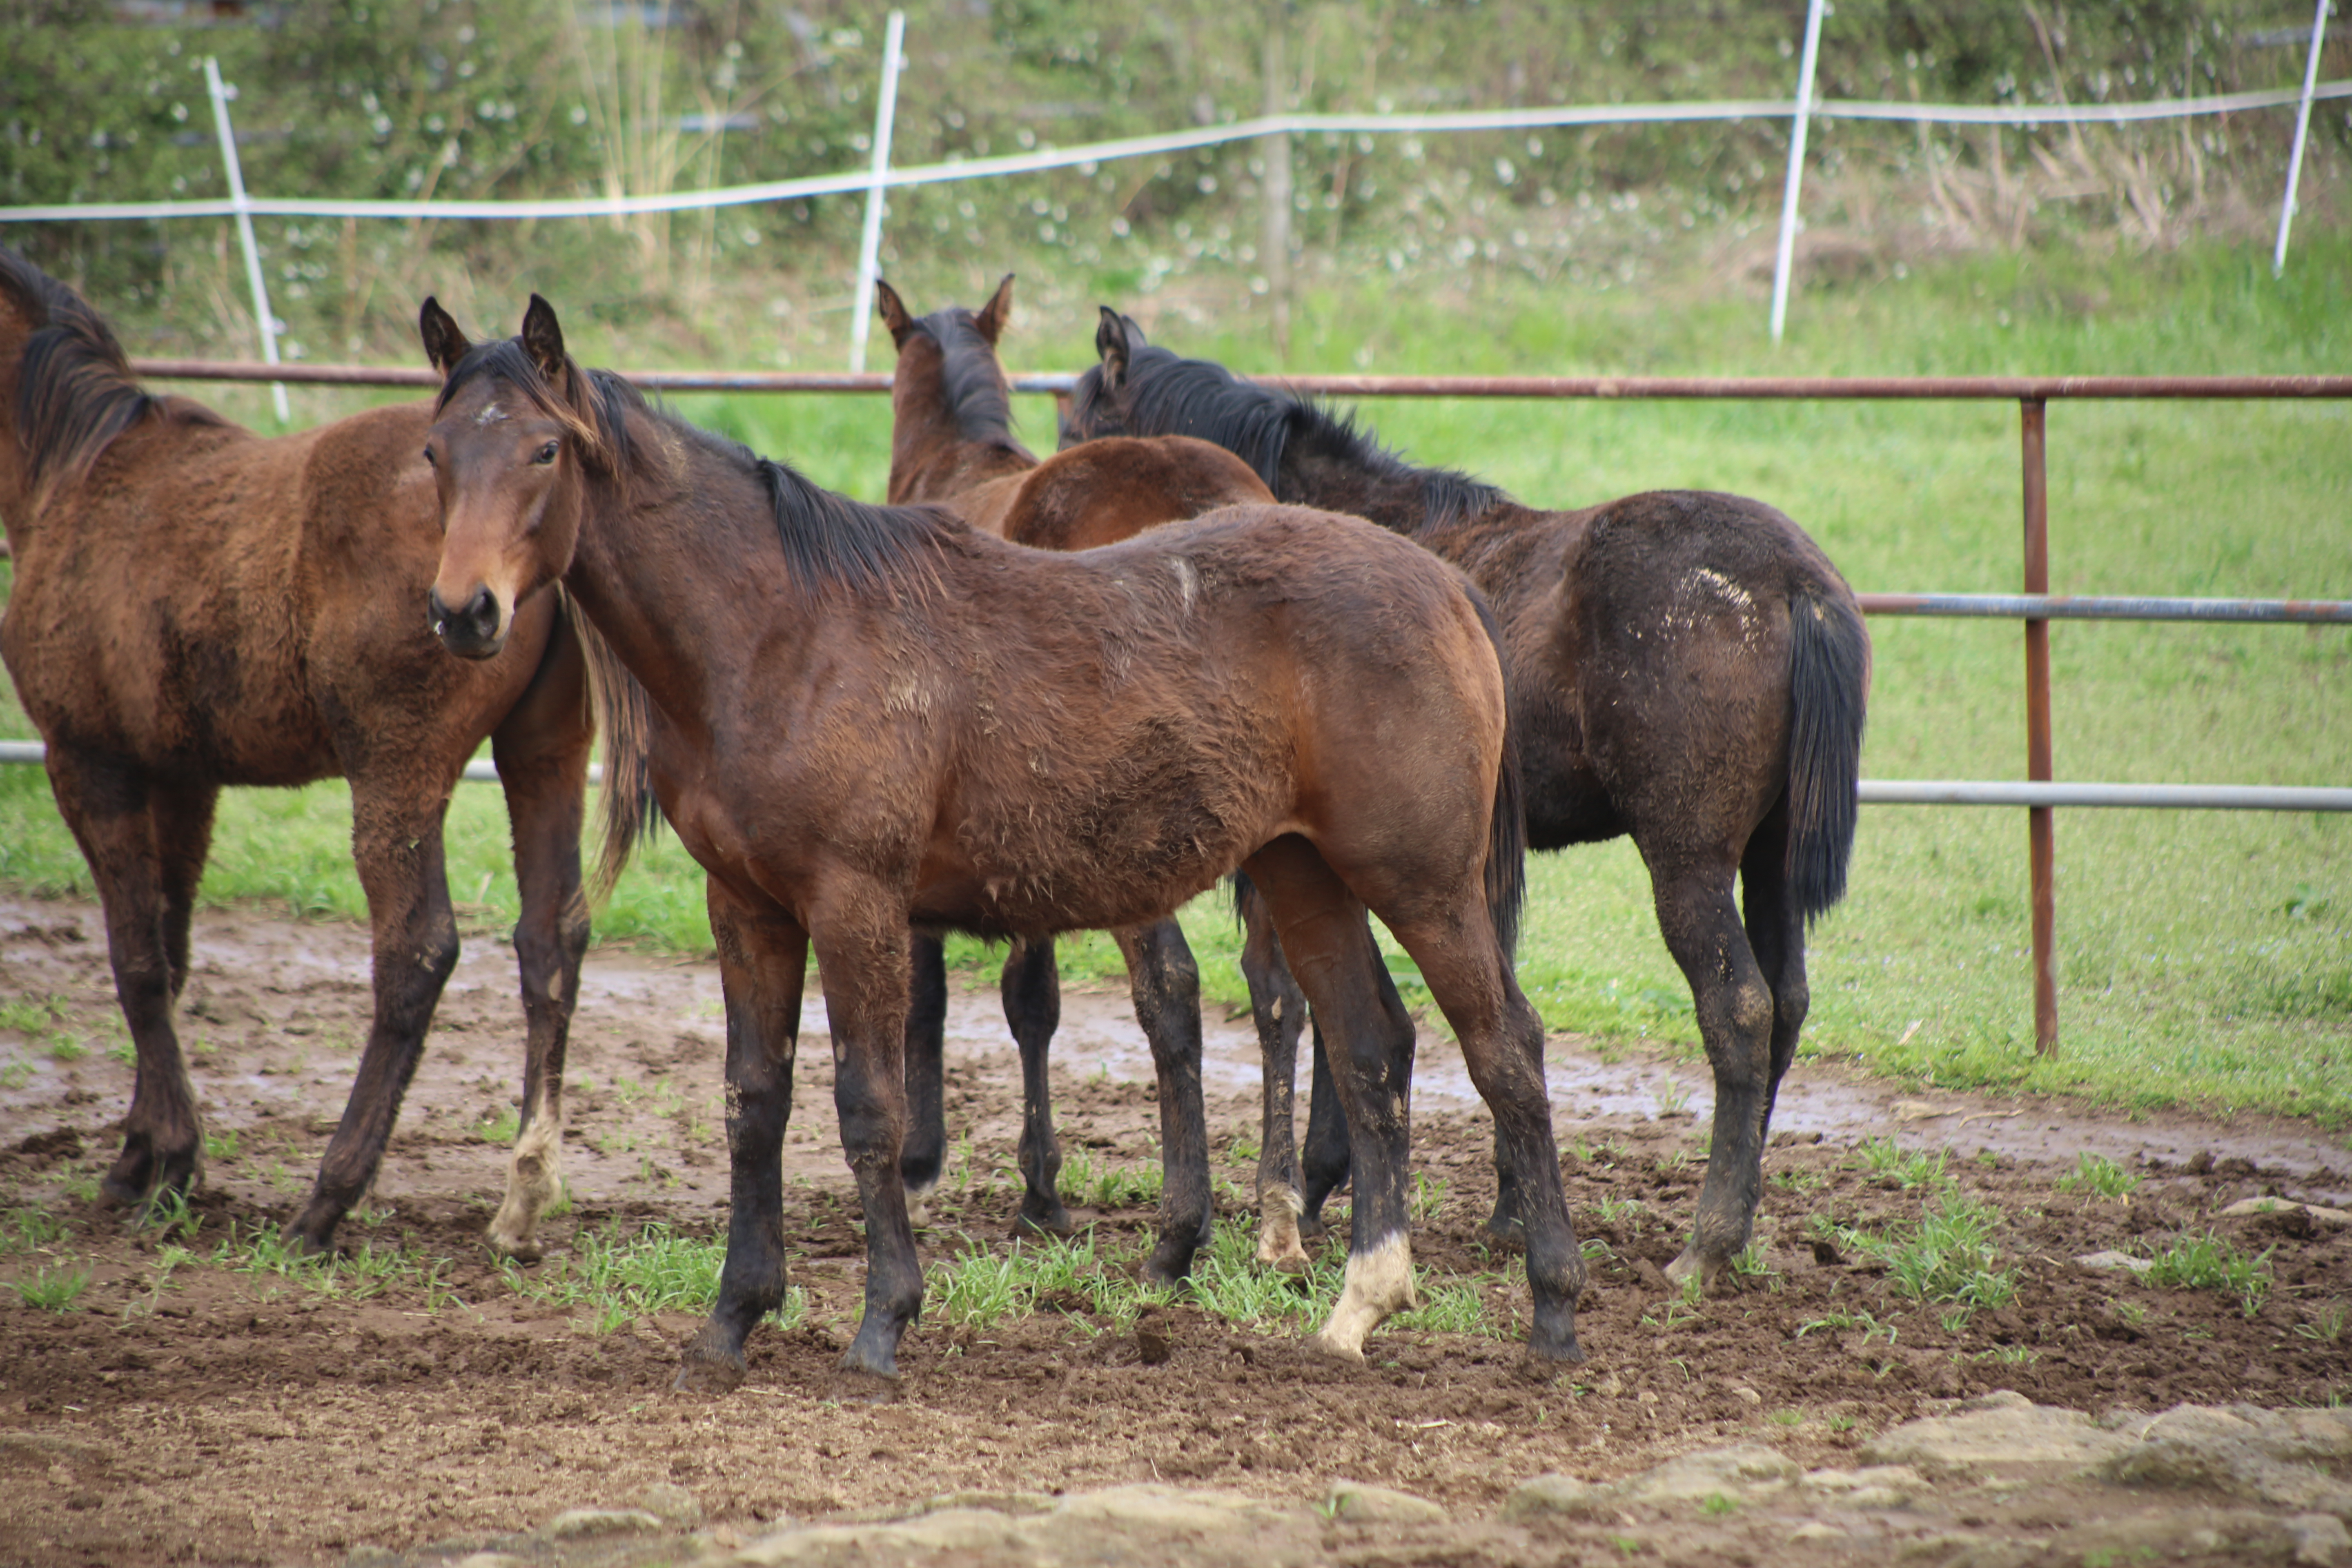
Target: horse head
x,y
514,434
951,403
1098,405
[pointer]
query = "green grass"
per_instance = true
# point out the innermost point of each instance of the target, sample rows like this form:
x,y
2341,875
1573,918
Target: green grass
x,y
53,1289
621,1277
2097,1174
2206,1262
1949,1256
2205,957
1907,1168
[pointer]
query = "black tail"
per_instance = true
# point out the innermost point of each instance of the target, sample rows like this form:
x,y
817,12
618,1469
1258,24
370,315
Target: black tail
x,y
1506,830
1829,686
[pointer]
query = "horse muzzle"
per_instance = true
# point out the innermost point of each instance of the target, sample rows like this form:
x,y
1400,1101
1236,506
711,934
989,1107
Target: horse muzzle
x,y
473,630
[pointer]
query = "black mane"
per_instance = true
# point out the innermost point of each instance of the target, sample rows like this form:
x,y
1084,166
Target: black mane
x,y
74,391
969,378
1168,396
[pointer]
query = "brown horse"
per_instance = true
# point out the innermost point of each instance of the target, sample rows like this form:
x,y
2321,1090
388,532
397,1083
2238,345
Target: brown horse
x,y
197,606
862,718
951,444
1684,667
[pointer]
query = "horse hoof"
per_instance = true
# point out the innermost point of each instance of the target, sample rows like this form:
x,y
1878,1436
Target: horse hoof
x,y
1056,1225
1508,1231
870,1360
1324,1347
508,1251
709,1374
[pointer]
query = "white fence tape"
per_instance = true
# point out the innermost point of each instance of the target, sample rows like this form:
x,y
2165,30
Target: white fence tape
x,y
1044,158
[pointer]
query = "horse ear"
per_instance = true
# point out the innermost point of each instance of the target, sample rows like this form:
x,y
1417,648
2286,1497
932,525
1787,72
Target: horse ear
x,y
893,312
444,345
543,340
1110,343
996,312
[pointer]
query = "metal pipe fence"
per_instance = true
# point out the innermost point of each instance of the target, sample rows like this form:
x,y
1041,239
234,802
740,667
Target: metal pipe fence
x,y
2036,608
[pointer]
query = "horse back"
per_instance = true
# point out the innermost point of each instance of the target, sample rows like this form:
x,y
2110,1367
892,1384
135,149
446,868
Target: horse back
x,y
1146,715
1104,491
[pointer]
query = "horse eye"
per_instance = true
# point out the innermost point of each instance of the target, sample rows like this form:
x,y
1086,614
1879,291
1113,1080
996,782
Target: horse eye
x,y
547,453
429,460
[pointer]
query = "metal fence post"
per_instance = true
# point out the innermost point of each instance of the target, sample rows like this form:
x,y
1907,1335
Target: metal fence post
x,y
2301,131
1787,254
253,274
869,245
2041,820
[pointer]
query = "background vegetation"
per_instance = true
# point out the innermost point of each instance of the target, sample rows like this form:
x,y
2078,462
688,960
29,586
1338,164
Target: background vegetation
x,y
2205,955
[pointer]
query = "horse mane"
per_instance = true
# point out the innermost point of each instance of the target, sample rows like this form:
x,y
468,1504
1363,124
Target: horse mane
x,y
972,381
74,391
1168,394
593,405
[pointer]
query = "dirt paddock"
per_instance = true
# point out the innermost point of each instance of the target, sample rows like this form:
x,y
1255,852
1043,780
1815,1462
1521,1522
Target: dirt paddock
x,y
184,1410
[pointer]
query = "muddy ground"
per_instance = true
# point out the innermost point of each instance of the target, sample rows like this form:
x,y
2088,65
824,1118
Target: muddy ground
x,y
204,1413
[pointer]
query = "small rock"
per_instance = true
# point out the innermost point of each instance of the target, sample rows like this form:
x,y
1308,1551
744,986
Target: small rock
x,y
2246,1208
1359,1504
2001,1430
1746,1394
2111,1259
1693,1477
670,1501
2320,1539
582,1523
1555,1496
1815,1530
489,1559
370,1557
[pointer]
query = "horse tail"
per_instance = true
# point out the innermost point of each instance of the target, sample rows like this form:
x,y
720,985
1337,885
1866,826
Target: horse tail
x,y
1829,687
1506,828
624,711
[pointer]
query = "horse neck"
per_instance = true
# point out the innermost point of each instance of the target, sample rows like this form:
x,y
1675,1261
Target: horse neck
x,y
679,571
931,461
1397,499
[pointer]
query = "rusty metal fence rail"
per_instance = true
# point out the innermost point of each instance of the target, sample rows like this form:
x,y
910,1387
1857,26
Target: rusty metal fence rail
x,y
2036,607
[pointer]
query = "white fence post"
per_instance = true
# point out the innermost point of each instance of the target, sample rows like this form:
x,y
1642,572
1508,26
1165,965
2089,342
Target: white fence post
x,y
267,322
2302,130
1796,164
869,247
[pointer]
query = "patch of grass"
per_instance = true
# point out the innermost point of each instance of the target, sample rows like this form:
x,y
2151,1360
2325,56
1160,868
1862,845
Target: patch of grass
x,y
1909,1168
2097,1174
222,1146
1800,1179
29,1230
1613,1210
53,1289
1949,1256
1106,1186
1427,1199
1718,1505
502,1128
2206,1262
2326,1324
623,1276
1457,1306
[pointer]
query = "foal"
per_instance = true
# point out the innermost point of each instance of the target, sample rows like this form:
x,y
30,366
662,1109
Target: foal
x,y
861,719
197,606
1684,667
951,443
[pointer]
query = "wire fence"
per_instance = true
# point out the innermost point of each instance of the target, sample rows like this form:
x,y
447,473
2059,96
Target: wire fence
x,y
1272,129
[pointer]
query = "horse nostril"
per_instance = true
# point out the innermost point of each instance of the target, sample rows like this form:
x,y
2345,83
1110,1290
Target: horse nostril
x,y
482,613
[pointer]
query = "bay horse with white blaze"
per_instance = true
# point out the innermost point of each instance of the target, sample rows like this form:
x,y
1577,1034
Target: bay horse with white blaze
x,y
197,606
951,444
1684,667
861,719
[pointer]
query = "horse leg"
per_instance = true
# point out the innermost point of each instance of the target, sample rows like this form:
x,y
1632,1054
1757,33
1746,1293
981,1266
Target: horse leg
x,y
927,1030
1776,930
398,841
1031,989
541,748
1278,1008
763,963
1330,948
1325,1159
1166,986
116,816
1703,930
861,950
1470,978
